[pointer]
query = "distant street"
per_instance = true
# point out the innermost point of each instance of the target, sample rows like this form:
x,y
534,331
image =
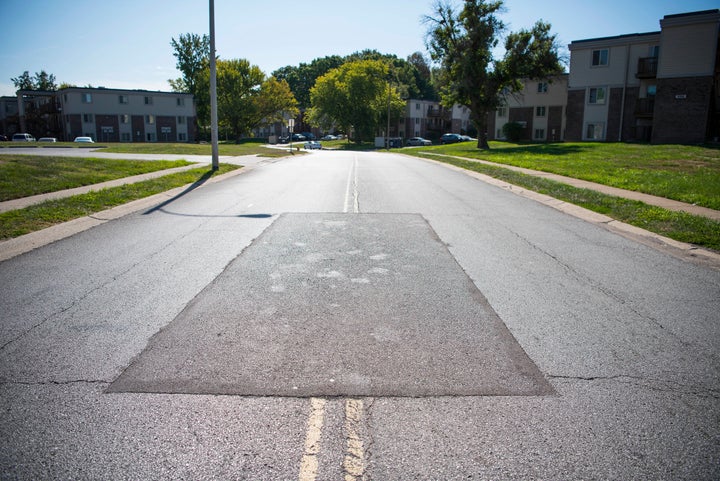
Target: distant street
x,y
354,316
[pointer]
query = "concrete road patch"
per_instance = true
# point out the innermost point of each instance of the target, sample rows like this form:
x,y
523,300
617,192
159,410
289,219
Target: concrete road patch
x,y
338,305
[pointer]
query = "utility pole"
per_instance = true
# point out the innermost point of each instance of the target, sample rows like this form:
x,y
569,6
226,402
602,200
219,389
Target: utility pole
x,y
213,92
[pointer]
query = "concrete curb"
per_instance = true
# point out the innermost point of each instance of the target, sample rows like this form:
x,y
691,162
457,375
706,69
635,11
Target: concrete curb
x,y
681,250
19,245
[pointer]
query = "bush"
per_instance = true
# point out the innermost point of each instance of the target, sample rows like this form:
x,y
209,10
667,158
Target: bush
x,y
513,131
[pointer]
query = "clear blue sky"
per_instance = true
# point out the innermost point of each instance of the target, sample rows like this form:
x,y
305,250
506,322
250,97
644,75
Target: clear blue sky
x,y
126,44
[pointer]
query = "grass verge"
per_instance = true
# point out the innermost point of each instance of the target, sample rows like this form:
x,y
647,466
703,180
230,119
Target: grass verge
x,y
23,221
675,225
26,175
682,172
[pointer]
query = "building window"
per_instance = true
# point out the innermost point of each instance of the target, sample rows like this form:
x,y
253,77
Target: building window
x,y
600,57
125,137
540,111
124,119
181,120
180,102
86,98
596,95
87,118
502,112
149,119
123,99
182,137
595,131
417,106
539,134
148,101
542,87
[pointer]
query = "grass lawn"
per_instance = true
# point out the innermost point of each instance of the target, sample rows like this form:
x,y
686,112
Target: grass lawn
x,y
686,173
22,221
230,149
26,175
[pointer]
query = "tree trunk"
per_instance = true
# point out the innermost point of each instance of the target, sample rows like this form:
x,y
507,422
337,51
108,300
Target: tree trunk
x,y
479,119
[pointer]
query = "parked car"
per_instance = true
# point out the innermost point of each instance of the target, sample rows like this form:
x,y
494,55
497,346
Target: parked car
x,y
23,138
47,139
313,145
3,138
415,141
450,138
87,140
297,137
329,137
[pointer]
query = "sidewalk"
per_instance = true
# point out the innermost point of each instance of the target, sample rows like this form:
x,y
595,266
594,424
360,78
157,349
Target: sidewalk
x,y
668,204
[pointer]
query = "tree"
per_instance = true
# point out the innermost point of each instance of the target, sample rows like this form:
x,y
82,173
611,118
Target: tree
x,y
246,99
356,95
463,44
41,81
192,52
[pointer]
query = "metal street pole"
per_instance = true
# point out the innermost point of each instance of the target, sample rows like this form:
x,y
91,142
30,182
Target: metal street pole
x,y
213,92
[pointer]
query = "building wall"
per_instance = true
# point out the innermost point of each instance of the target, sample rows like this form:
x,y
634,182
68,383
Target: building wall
x,y
575,115
682,110
523,106
151,116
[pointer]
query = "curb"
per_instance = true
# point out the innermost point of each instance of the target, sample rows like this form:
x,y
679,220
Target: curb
x,y
20,245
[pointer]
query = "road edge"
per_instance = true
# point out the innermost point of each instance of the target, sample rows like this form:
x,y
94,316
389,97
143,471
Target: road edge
x,y
682,250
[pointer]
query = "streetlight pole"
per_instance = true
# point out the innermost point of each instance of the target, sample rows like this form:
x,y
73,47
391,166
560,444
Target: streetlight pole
x,y
387,132
213,92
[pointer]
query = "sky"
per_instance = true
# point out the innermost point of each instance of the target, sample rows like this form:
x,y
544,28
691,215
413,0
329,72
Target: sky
x,y
126,44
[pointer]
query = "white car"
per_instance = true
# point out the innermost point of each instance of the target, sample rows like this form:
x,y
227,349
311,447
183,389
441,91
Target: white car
x,y
313,145
23,138
47,139
87,140
418,141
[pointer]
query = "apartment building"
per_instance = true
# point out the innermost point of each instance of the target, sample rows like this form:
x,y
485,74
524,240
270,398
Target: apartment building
x,y
539,107
662,87
107,115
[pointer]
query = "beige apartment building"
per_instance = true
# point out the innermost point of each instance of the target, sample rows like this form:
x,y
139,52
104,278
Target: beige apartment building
x,y
539,107
661,87
106,115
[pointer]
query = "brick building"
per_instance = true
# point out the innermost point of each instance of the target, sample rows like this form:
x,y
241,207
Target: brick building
x,y
661,86
107,115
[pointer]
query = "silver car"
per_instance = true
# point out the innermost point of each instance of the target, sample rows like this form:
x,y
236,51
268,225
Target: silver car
x,y
415,141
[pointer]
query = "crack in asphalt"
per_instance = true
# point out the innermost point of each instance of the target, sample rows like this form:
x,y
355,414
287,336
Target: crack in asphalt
x,y
660,385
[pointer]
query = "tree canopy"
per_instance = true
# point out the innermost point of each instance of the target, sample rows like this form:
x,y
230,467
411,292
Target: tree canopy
x,y
246,98
464,42
355,96
41,81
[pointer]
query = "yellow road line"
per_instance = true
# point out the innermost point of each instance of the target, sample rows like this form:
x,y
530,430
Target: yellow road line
x,y
309,463
354,462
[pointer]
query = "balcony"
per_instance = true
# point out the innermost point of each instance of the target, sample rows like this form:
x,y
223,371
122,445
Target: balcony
x,y
438,112
645,107
647,67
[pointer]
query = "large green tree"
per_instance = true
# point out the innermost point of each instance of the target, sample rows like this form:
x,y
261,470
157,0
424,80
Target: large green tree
x,y
246,99
355,96
192,52
463,42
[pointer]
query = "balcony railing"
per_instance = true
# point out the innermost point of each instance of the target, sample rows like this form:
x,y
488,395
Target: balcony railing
x,y
647,67
645,107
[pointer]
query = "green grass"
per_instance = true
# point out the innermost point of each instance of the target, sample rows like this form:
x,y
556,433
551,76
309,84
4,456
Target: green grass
x,y
686,173
26,175
675,225
180,148
22,221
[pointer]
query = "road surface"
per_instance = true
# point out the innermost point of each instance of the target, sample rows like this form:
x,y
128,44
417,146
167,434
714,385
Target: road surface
x,y
355,316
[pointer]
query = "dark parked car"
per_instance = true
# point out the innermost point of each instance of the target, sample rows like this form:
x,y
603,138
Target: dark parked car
x,y
297,137
450,138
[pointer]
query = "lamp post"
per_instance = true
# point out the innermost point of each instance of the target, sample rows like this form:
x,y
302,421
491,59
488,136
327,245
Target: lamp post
x,y
213,92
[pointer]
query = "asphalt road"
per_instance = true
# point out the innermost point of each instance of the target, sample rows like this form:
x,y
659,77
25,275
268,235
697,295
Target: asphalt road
x,y
357,316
